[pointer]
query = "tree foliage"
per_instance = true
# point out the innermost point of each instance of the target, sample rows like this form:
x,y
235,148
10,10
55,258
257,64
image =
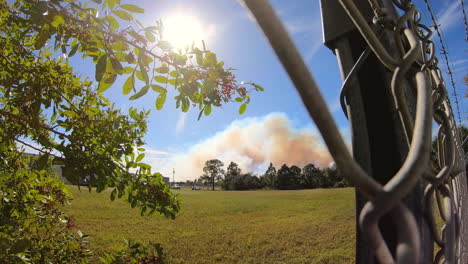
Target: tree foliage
x,y
232,173
44,105
311,176
287,178
269,179
213,172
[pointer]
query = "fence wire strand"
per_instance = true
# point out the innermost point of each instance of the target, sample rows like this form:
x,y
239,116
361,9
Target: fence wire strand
x,y
444,52
445,178
464,19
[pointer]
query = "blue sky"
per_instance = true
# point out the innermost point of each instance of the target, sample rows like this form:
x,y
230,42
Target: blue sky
x,y
179,141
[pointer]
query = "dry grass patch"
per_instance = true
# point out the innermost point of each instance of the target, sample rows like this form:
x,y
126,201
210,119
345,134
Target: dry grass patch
x,y
306,226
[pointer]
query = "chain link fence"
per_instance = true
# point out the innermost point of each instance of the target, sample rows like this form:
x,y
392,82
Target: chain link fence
x,y
439,167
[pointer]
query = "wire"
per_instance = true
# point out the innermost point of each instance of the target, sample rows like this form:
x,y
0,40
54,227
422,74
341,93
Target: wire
x,y
445,53
464,19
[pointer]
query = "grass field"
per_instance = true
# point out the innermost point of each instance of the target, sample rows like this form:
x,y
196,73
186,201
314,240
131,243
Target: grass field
x,y
306,226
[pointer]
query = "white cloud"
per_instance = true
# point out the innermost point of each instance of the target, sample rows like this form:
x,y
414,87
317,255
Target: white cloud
x,y
307,31
156,152
312,50
180,123
450,16
459,62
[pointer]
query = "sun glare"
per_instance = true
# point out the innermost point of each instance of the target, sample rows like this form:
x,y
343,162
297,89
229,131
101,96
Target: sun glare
x,y
181,30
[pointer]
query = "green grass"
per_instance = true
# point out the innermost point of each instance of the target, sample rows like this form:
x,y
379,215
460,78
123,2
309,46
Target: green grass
x,y
306,226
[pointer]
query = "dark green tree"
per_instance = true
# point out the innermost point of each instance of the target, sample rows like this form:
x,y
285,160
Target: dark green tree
x,y
335,178
247,181
232,173
311,176
295,179
289,177
269,179
213,172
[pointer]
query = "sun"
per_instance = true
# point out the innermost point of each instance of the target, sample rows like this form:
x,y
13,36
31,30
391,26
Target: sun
x,y
182,30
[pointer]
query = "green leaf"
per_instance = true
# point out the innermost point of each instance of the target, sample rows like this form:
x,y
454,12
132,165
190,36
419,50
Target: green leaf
x,y
127,70
242,108
20,246
123,15
199,59
140,93
200,114
57,21
54,115
42,37
133,8
120,46
101,67
113,23
160,101
210,59
116,65
143,210
134,203
174,82
260,88
163,69
107,82
112,3
150,36
64,50
144,74
161,79
158,88
113,193
207,109
74,48
174,74
137,37
185,104
139,75
129,84
238,99
140,157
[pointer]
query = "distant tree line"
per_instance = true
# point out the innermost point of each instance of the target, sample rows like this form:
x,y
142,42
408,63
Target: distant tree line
x,y
286,178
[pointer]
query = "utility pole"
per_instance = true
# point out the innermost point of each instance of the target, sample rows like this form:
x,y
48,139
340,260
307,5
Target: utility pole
x,y
379,142
173,176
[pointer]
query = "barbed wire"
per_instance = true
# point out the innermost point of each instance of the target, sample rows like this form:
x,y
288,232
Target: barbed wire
x,y
444,52
464,19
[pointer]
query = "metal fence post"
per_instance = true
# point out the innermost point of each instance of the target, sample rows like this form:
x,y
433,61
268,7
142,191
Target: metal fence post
x,y
379,143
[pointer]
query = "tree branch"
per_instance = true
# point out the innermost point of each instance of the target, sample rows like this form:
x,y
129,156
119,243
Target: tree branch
x,y
24,120
38,149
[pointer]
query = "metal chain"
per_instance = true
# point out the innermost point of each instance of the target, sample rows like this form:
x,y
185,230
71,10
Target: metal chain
x,y
446,181
416,57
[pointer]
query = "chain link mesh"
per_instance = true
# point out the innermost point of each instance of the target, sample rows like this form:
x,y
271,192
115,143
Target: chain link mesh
x,y
443,172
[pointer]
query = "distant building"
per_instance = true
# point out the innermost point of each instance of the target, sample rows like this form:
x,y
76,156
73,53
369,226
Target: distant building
x,y
56,168
166,179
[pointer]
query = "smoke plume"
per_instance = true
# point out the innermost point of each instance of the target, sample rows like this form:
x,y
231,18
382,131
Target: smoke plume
x,y
252,143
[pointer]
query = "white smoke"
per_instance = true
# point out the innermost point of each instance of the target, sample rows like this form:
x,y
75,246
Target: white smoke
x,y
252,143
